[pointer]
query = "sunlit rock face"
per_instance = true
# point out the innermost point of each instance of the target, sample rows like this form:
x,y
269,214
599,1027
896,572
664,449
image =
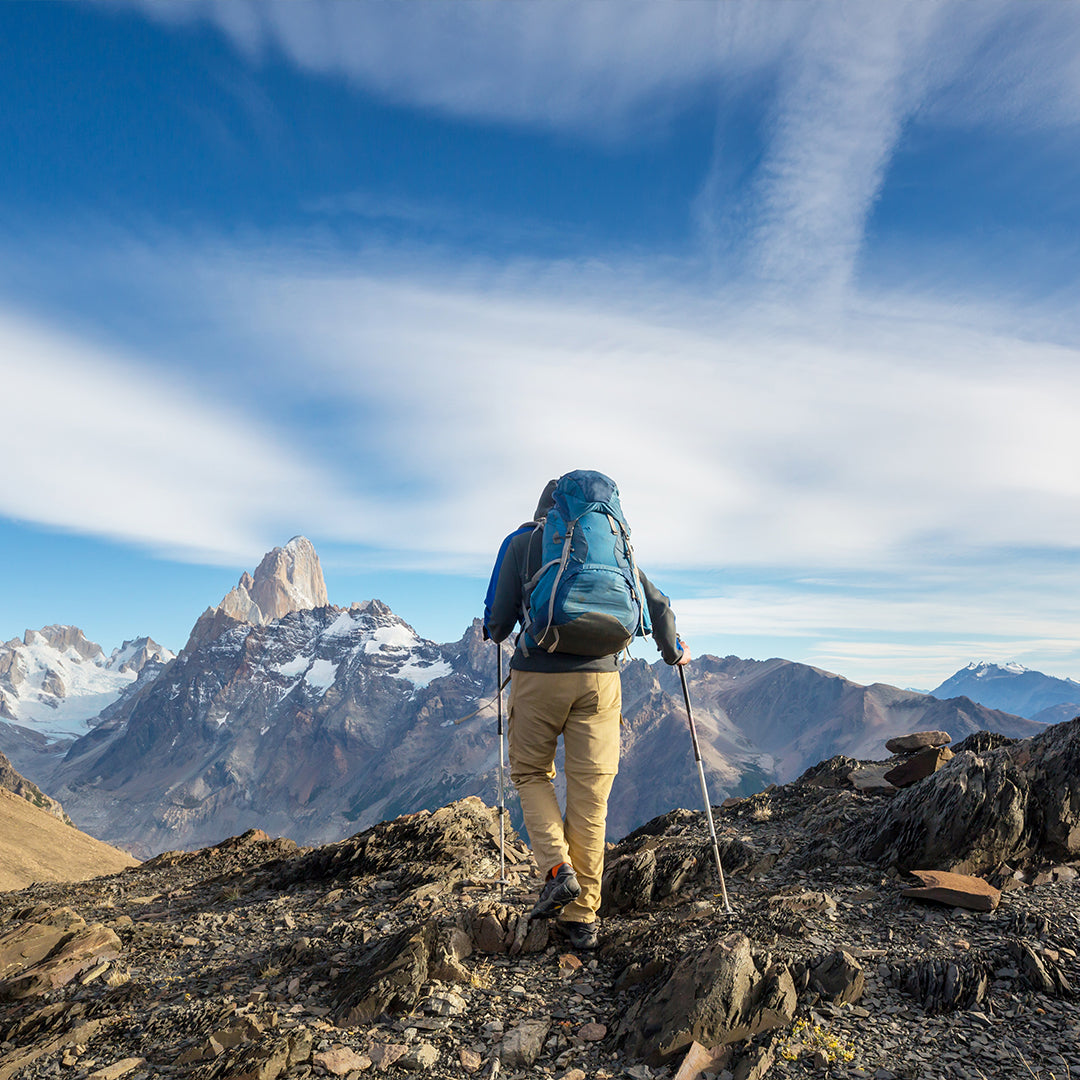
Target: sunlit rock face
x,y
288,578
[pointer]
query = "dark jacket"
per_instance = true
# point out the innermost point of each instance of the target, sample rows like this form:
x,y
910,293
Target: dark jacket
x,y
521,561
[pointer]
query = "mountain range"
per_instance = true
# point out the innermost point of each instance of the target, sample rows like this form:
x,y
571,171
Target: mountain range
x,y
53,681
1015,689
290,714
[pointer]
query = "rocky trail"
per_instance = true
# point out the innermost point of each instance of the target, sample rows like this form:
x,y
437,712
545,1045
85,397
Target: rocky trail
x,y
391,952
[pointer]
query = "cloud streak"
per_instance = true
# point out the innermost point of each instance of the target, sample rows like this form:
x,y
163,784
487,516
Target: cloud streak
x,y
898,433
848,78
803,446
839,114
590,68
98,445
784,424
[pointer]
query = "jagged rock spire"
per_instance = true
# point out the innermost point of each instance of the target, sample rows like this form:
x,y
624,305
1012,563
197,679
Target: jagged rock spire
x,y
288,578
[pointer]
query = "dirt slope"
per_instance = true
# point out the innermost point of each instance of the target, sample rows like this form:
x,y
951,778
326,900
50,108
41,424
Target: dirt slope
x,y
38,847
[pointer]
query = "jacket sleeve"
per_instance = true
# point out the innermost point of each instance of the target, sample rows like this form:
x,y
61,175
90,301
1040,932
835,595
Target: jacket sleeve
x,y
663,621
509,585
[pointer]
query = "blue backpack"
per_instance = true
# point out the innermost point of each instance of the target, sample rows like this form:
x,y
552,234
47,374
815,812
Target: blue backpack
x,y
586,598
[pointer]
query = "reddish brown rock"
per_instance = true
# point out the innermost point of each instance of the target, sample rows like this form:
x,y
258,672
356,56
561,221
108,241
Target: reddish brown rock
x,y
568,964
385,1054
470,1059
918,766
342,1061
959,890
701,1062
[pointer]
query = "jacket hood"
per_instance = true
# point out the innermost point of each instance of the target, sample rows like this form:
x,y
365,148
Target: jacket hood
x,y
547,501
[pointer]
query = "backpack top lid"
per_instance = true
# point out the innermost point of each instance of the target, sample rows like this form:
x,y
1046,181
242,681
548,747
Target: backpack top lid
x,y
583,490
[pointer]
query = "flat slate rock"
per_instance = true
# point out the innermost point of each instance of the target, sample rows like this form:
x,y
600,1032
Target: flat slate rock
x,y
919,740
870,780
959,890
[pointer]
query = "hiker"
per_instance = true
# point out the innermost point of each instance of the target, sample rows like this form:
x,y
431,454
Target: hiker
x,y
564,680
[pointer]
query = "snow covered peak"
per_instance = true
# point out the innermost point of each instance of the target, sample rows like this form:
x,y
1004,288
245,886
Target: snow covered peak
x,y
134,655
64,639
55,680
388,644
982,668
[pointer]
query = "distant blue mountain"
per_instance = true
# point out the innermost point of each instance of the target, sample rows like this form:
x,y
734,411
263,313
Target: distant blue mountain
x,y
1015,689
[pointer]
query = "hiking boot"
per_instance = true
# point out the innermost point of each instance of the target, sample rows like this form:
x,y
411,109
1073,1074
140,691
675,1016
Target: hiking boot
x,y
560,887
581,935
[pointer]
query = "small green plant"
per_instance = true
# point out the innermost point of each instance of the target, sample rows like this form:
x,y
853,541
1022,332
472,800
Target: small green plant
x,y
807,1038
230,892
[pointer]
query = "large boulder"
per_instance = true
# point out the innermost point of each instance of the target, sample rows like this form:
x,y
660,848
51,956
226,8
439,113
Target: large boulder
x,y
387,977
918,766
48,949
1016,804
430,850
718,995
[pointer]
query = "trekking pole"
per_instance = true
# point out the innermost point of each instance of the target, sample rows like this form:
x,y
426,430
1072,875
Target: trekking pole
x,y
502,781
704,789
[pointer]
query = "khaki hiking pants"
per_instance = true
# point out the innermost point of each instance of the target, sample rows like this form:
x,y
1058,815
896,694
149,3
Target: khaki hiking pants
x,y
584,707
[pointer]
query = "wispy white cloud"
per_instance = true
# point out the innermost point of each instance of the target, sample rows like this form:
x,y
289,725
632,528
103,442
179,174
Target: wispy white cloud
x,y
842,103
750,428
905,630
1006,64
98,445
953,611
929,663
847,79
872,439
591,66
792,448
586,67
903,439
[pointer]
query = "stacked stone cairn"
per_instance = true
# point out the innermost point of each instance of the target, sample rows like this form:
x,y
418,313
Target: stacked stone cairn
x,y
923,753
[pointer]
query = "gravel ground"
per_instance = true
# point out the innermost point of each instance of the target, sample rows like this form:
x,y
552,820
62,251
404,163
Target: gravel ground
x,y
239,960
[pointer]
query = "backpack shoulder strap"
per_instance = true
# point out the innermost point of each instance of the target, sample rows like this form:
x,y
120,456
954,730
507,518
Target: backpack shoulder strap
x,y
493,581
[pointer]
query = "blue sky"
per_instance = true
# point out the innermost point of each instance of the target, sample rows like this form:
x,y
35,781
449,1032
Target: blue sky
x,y
801,277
